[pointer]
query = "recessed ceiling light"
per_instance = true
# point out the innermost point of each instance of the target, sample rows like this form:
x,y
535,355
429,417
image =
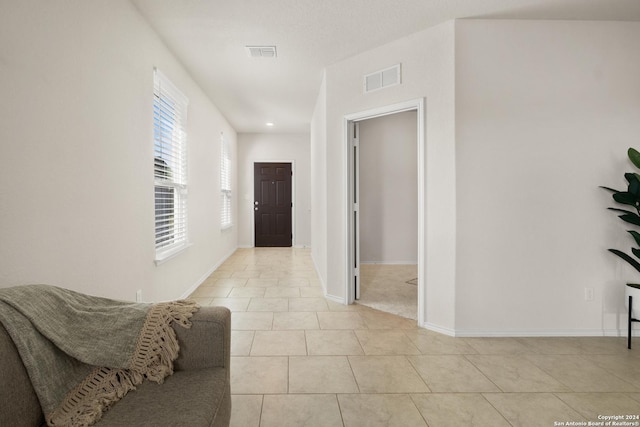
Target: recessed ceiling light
x,y
270,124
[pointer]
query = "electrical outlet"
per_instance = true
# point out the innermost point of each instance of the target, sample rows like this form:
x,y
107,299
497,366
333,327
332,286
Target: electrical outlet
x,y
139,295
588,294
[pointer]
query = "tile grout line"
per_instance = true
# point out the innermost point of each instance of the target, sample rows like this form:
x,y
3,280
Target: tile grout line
x,y
481,372
496,409
353,374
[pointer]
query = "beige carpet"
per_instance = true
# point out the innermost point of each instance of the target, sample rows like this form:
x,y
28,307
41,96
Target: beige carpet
x,y
386,287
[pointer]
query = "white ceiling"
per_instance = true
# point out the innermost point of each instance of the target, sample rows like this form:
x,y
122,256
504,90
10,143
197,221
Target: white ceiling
x,y
209,38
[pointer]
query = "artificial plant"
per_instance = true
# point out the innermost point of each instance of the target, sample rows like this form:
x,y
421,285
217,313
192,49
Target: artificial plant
x,y
630,198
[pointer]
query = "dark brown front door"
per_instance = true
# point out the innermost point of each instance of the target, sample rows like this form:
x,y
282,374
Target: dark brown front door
x,y
272,204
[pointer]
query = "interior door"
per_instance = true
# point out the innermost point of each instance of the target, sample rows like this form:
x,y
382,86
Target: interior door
x,y
272,204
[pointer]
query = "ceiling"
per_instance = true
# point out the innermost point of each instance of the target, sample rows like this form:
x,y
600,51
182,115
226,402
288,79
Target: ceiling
x,y
209,39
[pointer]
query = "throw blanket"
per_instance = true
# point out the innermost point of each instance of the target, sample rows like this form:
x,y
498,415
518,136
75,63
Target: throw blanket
x,y
84,353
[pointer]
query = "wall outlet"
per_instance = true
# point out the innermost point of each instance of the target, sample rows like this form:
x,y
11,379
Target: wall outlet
x,y
139,295
588,294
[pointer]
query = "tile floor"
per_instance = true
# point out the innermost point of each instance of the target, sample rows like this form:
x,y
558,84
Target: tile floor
x,y
301,360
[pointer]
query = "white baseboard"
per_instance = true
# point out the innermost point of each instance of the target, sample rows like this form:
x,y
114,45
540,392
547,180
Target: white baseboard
x,y
294,246
530,333
388,263
322,283
439,329
547,333
334,298
205,275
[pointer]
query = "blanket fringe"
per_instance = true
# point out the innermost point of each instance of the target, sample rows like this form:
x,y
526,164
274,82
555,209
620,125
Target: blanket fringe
x,y
157,346
156,349
86,403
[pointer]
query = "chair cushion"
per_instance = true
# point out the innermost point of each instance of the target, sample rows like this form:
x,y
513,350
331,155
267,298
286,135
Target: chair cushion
x,y
19,406
187,398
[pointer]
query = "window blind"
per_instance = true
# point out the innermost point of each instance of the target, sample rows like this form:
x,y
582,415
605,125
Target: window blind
x,y
225,183
169,165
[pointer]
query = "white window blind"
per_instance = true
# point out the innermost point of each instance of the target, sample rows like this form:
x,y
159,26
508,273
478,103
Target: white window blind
x,y
170,166
225,183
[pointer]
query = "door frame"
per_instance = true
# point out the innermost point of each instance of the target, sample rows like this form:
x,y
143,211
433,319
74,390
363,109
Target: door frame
x,y
293,199
351,182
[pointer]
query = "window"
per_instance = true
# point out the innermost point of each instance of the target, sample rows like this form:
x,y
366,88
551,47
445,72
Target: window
x,y
169,167
225,183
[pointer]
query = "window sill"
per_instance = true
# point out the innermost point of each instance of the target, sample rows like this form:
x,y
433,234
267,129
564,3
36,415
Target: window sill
x,y
165,256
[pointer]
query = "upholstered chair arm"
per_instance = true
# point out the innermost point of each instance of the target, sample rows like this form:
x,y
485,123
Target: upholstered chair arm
x,y
208,342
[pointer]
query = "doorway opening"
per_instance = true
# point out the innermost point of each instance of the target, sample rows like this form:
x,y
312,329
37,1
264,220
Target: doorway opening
x,y
362,262
388,211
272,204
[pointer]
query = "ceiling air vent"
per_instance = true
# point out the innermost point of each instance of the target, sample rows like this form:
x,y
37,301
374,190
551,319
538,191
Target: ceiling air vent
x,y
261,51
384,78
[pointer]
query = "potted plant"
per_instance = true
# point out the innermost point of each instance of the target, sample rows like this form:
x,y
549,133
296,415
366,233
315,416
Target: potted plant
x,y
630,200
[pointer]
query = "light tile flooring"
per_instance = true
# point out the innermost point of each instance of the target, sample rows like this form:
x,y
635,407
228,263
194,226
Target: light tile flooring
x,y
301,360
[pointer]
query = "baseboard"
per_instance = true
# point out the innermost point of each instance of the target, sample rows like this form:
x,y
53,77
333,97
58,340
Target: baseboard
x,y
334,298
439,329
547,333
388,263
322,283
207,274
529,333
294,246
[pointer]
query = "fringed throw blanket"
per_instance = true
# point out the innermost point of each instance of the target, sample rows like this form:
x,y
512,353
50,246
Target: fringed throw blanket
x,y
84,353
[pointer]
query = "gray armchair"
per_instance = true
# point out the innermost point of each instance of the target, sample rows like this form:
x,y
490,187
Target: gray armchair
x,y
197,394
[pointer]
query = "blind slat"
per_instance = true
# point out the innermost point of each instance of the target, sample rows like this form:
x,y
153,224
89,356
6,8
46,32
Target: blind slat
x,y
225,183
170,164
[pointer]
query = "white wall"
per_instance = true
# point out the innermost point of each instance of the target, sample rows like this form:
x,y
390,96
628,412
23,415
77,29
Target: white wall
x,y
318,181
427,61
273,147
524,120
389,189
544,114
76,147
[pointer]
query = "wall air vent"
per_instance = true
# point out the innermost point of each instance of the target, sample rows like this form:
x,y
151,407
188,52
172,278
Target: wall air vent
x,y
384,78
261,51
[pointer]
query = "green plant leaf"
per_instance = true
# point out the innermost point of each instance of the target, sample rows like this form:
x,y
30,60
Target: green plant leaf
x,y
635,264
634,183
636,252
609,189
626,198
621,210
636,236
634,156
631,218
630,177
